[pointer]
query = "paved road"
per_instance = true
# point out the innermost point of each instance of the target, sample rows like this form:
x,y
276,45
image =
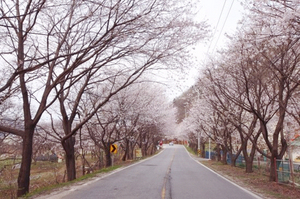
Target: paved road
x,y
172,174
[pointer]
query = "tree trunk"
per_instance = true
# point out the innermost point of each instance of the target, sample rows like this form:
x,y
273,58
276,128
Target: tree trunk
x,y
218,152
233,159
125,156
24,173
250,158
70,158
273,172
249,163
249,166
131,151
100,159
224,156
108,161
144,152
153,149
202,148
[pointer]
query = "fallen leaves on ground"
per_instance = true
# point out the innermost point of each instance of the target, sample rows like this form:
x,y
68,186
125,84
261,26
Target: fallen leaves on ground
x,y
257,182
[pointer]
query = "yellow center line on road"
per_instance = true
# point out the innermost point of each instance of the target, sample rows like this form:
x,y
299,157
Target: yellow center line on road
x,y
163,191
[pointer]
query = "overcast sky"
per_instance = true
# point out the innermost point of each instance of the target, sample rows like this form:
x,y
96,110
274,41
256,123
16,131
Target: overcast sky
x,y
223,17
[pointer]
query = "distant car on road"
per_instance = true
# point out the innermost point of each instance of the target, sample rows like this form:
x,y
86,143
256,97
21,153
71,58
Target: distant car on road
x,y
171,144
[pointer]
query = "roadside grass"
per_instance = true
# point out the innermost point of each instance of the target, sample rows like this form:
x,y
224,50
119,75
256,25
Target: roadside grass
x,y
45,176
52,187
190,150
8,181
257,182
9,161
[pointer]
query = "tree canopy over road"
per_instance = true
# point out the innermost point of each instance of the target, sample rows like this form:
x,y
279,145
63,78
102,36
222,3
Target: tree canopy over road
x,y
246,100
69,58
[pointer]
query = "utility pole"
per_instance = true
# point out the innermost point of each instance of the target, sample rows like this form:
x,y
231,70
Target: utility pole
x,y
199,144
209,148
291,163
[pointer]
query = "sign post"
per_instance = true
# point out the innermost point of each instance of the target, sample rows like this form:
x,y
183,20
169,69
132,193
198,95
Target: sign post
x,y
113,149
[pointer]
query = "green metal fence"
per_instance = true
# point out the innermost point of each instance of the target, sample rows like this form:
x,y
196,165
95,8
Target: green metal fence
x,y
283,171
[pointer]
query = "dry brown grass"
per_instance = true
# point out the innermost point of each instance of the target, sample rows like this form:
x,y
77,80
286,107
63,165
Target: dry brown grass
x,y
43,174
257,182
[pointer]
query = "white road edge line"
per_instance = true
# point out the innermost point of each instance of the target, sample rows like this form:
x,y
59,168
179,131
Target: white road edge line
x,y
249,192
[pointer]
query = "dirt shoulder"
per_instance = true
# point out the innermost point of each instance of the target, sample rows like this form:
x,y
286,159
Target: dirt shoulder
x,y
256,182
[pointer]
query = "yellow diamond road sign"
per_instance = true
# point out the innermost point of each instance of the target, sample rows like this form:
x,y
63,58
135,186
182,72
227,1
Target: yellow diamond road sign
x,y
113,148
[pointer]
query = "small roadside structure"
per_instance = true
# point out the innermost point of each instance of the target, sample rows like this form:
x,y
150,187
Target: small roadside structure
x,y
295,144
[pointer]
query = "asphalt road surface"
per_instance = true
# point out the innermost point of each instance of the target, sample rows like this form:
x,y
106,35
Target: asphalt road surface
x,y
172,174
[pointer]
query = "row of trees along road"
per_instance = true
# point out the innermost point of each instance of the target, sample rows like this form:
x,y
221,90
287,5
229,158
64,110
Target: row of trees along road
x,y
247,99
76,55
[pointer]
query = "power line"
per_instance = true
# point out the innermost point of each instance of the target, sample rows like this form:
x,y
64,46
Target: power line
x,y
223,25
217,24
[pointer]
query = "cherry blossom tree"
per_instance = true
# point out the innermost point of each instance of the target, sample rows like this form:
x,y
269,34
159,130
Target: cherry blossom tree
x,y
251,87
51,50
136,115
272,33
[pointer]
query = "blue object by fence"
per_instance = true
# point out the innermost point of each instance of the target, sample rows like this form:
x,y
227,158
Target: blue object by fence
x,y
213,155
